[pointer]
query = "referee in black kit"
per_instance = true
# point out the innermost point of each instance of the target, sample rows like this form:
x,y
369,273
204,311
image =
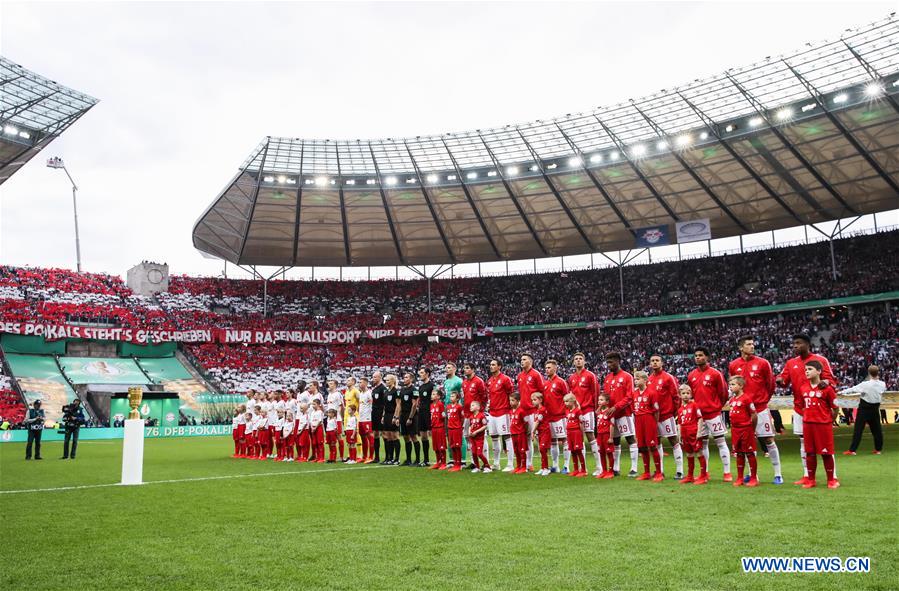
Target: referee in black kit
x,y
407,405
425,389
378,389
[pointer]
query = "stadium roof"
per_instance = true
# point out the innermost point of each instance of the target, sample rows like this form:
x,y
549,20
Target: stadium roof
x,y
793,140
33,111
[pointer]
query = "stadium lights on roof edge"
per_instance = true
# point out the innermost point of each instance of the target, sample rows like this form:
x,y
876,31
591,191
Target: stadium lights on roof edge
x,y
782,115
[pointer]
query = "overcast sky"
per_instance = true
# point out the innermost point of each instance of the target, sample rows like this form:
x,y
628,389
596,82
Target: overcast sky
x,y
187,90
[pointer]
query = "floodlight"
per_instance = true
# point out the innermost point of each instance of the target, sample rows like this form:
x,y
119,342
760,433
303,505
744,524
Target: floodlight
x,y
512,170
471,175
874,89
784,114
391,180
704,135
661,145
321,181
756,121
596,158
840,98
432,178
638,150
269,179
684,140
575,161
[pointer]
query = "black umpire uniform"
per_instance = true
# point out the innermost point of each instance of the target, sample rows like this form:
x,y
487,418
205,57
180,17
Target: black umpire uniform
x,y
424,407
390,395
377,414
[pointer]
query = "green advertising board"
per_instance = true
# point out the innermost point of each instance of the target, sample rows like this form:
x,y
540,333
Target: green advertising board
x,y
21,435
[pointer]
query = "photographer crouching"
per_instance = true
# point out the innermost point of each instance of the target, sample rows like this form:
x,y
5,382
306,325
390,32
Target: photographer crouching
x,y
72,419
34,421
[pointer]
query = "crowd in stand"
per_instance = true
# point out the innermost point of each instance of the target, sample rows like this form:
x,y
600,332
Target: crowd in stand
x,y
852,340
762,277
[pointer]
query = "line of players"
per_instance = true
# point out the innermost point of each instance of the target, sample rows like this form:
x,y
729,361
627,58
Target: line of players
x,y
557,415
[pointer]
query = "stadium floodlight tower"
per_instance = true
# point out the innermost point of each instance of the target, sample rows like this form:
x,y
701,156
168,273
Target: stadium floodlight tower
x,y
56,162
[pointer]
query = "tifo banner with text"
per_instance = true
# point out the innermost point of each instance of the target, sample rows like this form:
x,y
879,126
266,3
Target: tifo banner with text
x,y
53,332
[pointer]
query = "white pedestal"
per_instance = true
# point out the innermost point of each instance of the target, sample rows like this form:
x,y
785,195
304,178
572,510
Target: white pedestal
x,y
133,452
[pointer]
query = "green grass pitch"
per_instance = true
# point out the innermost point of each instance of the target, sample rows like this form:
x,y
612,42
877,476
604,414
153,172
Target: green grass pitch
x,y
220,523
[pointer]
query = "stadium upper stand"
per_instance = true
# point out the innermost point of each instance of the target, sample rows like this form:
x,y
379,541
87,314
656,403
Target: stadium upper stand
x,y
763,277
33,112
793,140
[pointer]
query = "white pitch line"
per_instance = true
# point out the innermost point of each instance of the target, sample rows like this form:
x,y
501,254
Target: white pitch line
x,y
176,480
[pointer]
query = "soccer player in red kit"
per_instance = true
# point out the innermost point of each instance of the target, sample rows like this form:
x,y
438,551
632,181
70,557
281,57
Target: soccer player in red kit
x,y
473,390
743,419
585,387
710,393
438,430
793,376
760,386
455,418
554,391
542,432
689,422
604,437
665,386
499,389
618,385
575,435
818,413
529,381
478,426
646,421
519,431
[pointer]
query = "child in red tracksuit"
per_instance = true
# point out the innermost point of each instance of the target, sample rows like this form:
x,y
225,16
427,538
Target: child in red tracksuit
x,y
604,437
438,430
352,422
818,413
288,437
541,432
575,436
519,430
317,432
454,424
331,435
743,419
477,426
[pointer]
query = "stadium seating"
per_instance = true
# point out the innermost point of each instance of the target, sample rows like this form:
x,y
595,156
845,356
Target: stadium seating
x,y
763,277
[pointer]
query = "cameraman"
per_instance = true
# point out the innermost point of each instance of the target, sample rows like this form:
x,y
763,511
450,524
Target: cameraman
x,y
34,421
73,418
